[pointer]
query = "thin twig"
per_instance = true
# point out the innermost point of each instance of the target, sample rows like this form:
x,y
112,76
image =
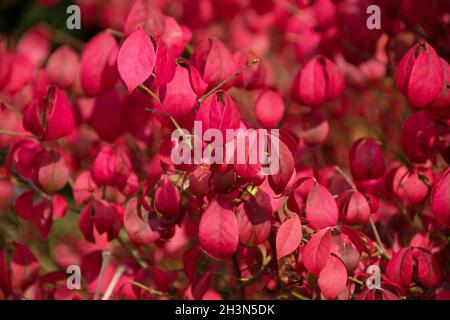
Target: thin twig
x,y
154,96
133,252
346,177
30,184
224,82
299,296
149,289
10,108
144,88
377,237
15,134
356,281
65,38
237,274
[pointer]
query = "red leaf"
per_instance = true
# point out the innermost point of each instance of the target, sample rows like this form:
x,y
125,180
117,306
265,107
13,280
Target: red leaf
x,y
400,268
440,199
178,96
200,285
356,238
428,270
219,111
218,230
333,278
24,267
86,223
289,236
5,282
366,159
254,223
107,117
164,65
51,172
98,70
49,117
144,14
321,208
190,259
279,180
84,187
106,216
136,223
136,59
91,265
269,109
163,279
62,67
317,250
167,199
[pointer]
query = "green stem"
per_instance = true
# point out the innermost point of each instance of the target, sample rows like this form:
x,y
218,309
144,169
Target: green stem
x,y
378,238
133,252
299,296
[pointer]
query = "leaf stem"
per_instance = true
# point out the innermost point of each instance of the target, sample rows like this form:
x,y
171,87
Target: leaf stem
x,y
116,33
357,281
237,274
299,296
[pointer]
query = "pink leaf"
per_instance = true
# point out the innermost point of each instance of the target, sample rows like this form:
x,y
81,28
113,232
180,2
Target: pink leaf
x,y
144,14
333,278
279,180
24,267
317,250
321,208
136,223
98,69
51,172
428,270
136,59
218,230
86,223
289,236
167,199
400,268
62,67
269,109
254,223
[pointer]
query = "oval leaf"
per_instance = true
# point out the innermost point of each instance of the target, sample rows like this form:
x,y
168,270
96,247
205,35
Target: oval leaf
x,y
333,278
218,230
317,250
321,208
289,236
136,224
136,59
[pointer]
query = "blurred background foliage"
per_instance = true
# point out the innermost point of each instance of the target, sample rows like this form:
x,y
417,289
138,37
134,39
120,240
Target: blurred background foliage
x,y
17,16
